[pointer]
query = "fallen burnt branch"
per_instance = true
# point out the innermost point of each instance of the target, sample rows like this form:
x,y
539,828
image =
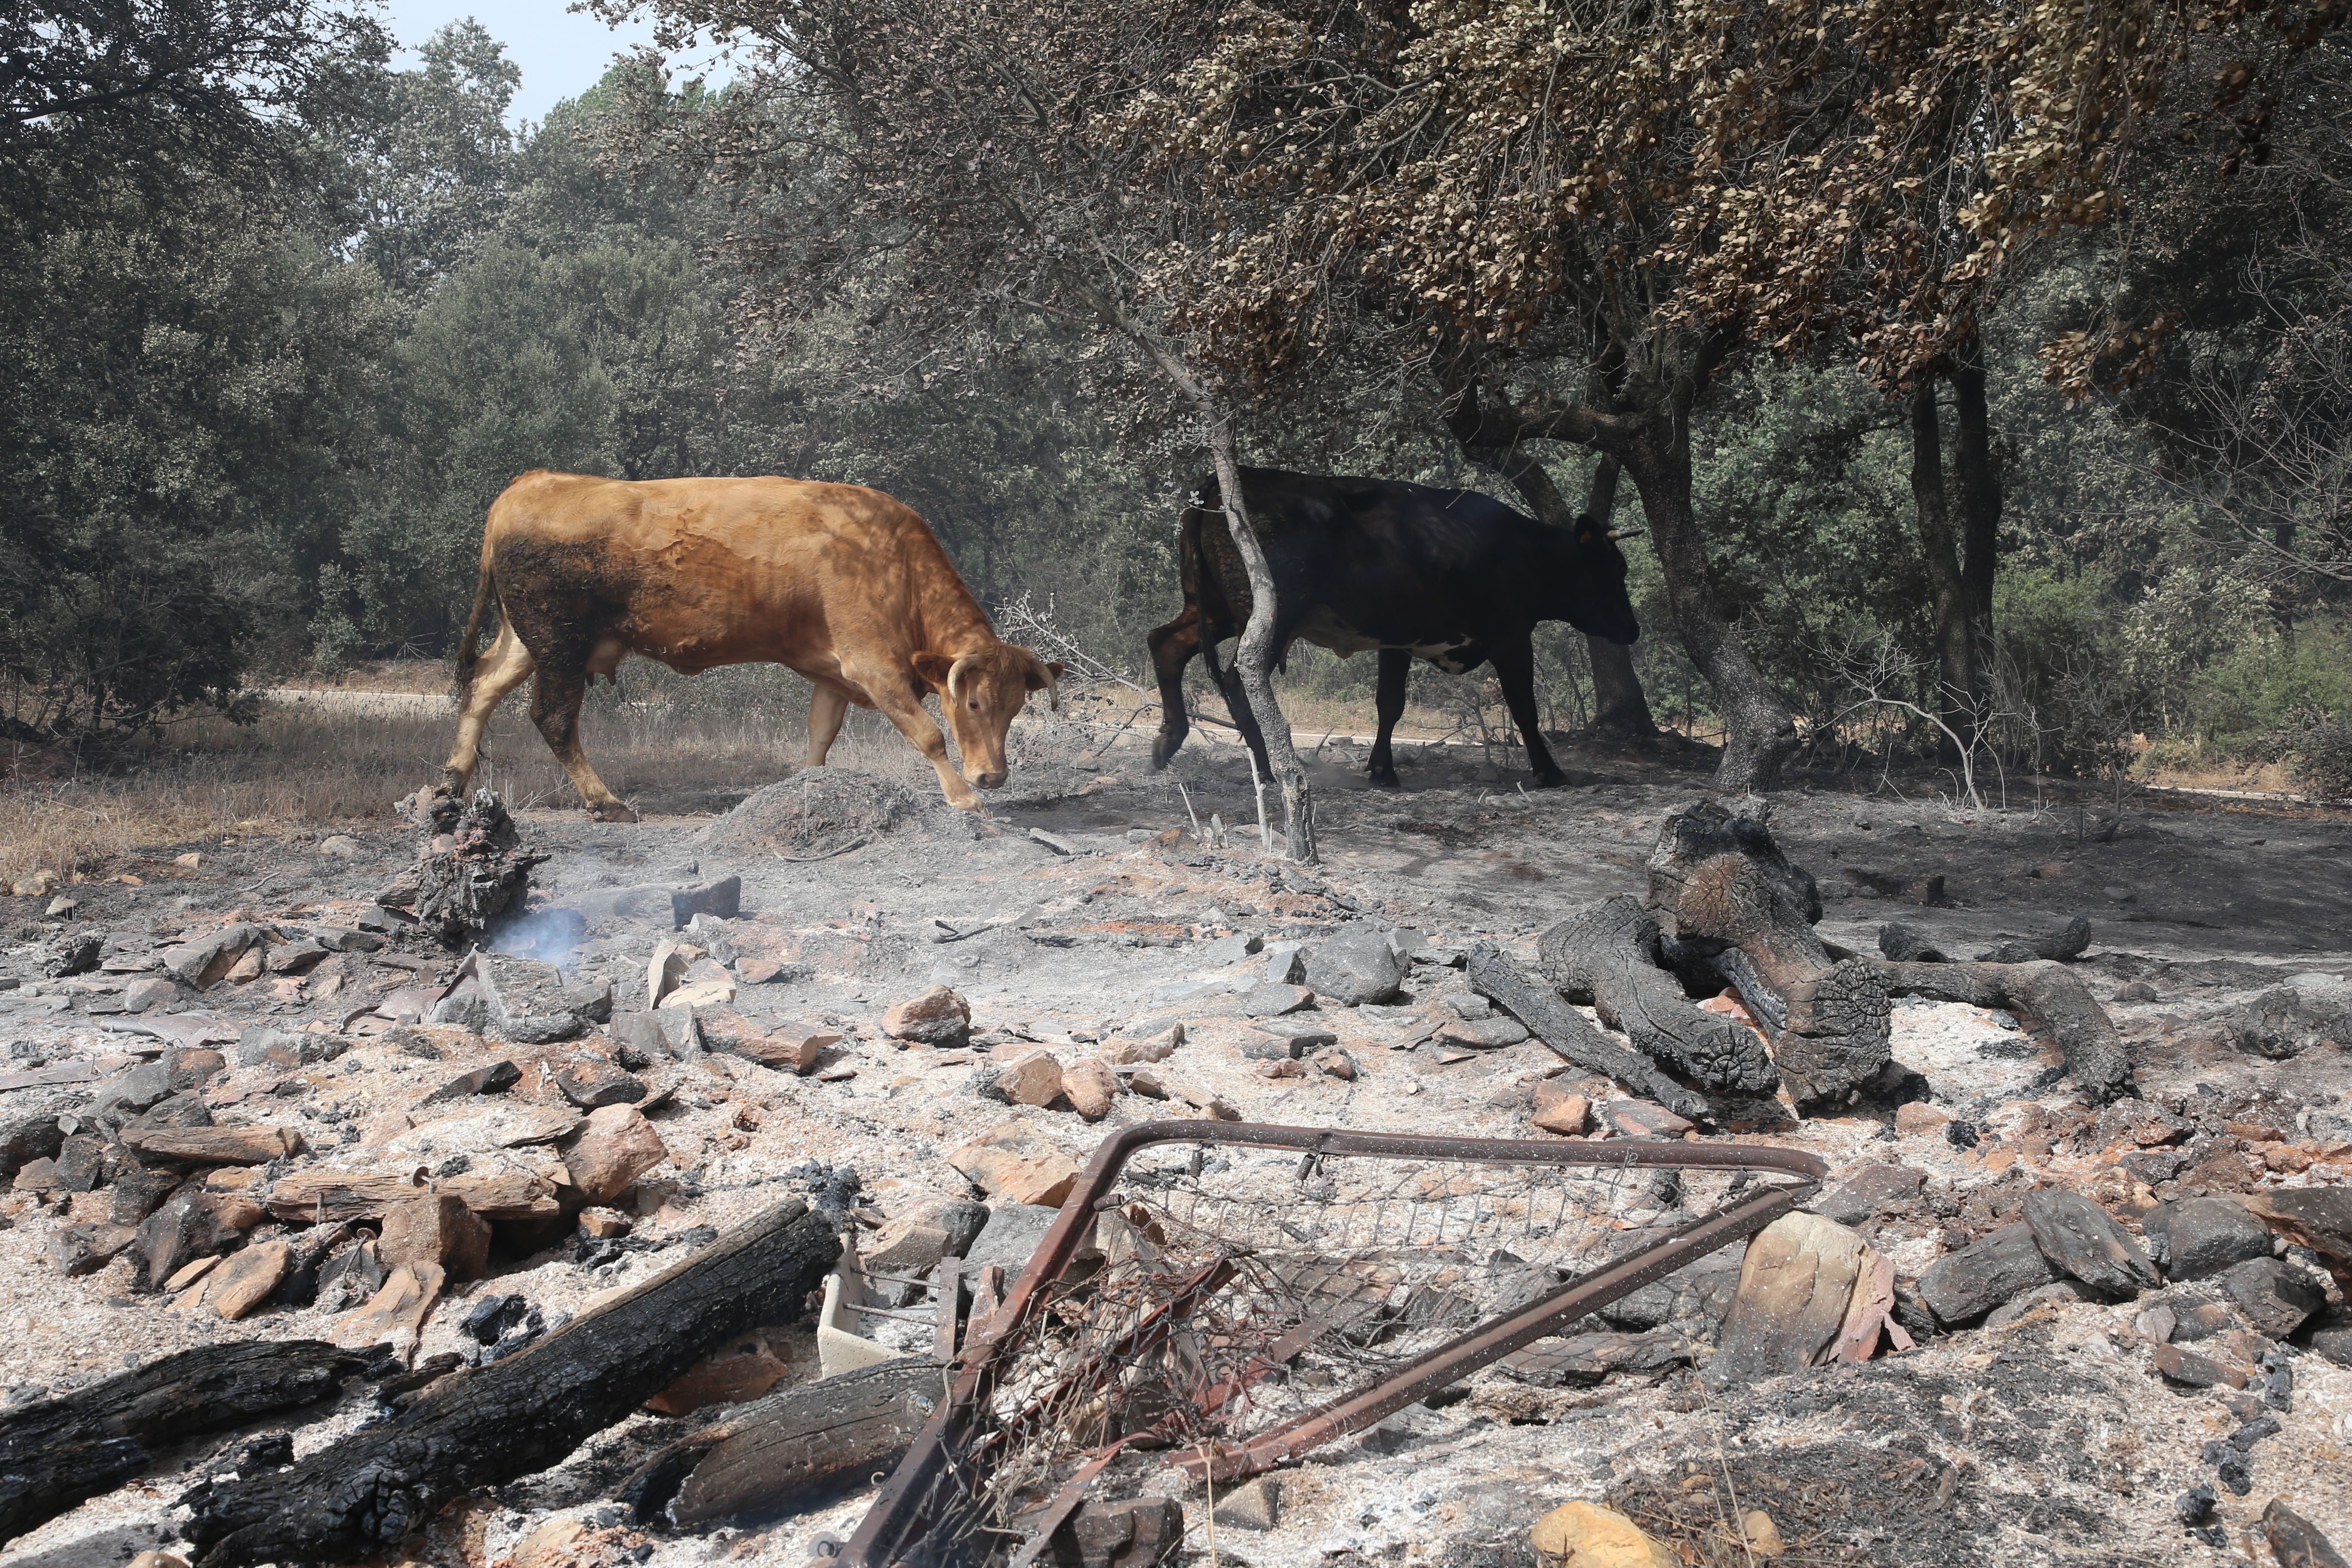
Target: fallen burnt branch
x,y
1606,955
789,1442
1732,906
358,1497
59,1452
2046,994
1564,1030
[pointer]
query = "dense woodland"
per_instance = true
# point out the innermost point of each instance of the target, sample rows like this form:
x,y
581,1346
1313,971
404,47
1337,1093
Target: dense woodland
x,y
1982,374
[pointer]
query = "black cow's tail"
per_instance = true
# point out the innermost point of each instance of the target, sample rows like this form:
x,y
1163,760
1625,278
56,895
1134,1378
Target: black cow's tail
x,y
468,651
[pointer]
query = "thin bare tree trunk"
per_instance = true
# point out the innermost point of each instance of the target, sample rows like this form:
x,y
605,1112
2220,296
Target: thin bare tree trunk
x,y
1955,682
1619,707
1254,658
1979,478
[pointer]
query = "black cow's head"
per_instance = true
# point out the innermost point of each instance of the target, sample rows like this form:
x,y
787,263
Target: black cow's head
x,y
1591,584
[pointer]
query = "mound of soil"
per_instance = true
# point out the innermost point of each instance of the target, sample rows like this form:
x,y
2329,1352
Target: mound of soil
x,y
820,812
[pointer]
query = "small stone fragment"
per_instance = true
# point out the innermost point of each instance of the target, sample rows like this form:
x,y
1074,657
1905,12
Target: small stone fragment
x,y
1796,1285
2080,1240
589,1083
1012,1163
1131,1050
1355,966
1641,1119
247,1278
1091,1086
1255,1505
1272,999
2204,1236
1762,1535
2193,1369
1918,1119
2275,1297
940,1017
1035,1080
1567,1115
616,1147
437,1229
1586,1535
2295,1542
723,898
1963,1285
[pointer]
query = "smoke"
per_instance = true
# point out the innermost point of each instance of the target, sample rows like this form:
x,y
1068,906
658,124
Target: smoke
x,y
551,936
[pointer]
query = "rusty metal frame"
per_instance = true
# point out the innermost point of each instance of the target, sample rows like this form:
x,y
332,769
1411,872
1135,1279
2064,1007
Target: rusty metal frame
x,y
893,1532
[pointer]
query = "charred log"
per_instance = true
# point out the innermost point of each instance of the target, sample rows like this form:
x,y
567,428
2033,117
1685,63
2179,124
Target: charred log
x,y
356,1498
2046,995
1606,955
59,1452
1563,1028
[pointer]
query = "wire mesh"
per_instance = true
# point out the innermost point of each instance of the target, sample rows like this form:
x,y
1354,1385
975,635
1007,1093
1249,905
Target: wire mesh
x,y
1223,1295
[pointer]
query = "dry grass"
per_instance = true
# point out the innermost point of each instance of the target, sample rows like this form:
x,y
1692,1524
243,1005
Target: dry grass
x,y
340,760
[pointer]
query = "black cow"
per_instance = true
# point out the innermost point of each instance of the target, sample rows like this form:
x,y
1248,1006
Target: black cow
x,y
1452,576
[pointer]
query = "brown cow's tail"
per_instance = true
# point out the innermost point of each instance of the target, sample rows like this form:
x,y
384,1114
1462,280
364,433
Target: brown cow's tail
x,y
468,649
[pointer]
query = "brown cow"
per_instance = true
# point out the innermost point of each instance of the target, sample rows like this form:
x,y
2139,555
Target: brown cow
x,y
841,583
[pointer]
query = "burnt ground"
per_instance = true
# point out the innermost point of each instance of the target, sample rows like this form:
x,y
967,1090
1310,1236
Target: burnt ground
x,y
2049,1440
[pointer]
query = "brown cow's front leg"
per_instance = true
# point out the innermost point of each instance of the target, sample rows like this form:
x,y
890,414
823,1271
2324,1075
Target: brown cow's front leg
x,y
1172,648
1514,666
826,708
555,698
1388,703
903,709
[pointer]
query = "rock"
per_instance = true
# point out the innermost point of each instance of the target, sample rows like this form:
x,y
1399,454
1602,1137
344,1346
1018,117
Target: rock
x,y
2017,1307
2294,1539
188,1227
213,1145
493,1077
1272,999
438,1230
2275,1297
1763,1537
1355,966
605,1224
340,846
1963,1285
2194,1371
158,1560
2080,1241
589,1083
2204,1236
1641,1119
247,1278
147,993
1285,962
1011,1234
1298,1036
940,1017
1796,1285
1333,1062
1483,1033
555,1544
86,1249
666,968
616,1147
1131,1050
206,961
2136,991
1567,1114
1232,949
1012,1163
2286,1022
1034,1079
1254,1505
1586,1535
1870,1191
2317,1217
1091,1086
395,1313
787,1046
723,898
1918,1119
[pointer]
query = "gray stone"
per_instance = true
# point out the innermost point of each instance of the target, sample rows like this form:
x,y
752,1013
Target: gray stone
x,y
133,1092
2275,1297
1872,1190
200,962
1255,1506
2286,1022
2205,1236
2008,1311
1010,1235
1298,1034
1355,966
1272,999
1285,962
1233,949
723,898
2082,1241
2332,1340
963,1221
1697,1293
1963,1285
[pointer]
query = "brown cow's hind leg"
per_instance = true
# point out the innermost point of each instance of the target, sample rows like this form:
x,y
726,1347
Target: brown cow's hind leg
x,y
555,700
826,708
507,666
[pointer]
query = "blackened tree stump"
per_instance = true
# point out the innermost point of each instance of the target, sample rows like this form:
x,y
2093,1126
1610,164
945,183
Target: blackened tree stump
x,y
1565,1031
59,1452
1606,955
2048,995
357,1499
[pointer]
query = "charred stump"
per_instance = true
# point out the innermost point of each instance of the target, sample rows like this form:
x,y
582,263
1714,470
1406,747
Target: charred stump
x,y
1564,1030
470,869
2046,995
55,1454
1731,906
358,1498
1606,955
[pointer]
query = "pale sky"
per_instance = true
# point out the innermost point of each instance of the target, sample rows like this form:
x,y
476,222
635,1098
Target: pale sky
x,y
561,53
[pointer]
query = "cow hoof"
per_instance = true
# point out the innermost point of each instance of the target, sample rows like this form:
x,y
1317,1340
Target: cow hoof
x,y
1387,780
615,812
1550,781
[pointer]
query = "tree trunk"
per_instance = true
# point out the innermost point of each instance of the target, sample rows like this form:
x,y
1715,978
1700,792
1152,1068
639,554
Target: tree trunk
x,y
1758,732
1254,658
1619,708
1955,679
1979,482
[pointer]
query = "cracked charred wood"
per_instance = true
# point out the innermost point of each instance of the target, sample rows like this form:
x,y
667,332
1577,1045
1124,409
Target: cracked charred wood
x,y
789,1442
1563,1029
59,1452
357,1498
1606,953
1730,901
2046,995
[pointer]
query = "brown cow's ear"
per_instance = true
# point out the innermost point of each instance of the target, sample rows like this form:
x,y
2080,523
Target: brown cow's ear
x,y
1041,676
934,667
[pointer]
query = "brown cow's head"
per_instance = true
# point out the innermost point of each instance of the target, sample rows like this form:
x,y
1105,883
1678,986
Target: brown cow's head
x,y
981,693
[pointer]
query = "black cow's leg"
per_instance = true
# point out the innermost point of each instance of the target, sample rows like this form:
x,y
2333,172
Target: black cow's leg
x,y
557,689
1237,703
1514,666
1172,648
1388,702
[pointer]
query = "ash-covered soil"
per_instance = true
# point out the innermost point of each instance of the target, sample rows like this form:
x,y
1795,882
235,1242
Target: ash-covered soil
x,y
1084,908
